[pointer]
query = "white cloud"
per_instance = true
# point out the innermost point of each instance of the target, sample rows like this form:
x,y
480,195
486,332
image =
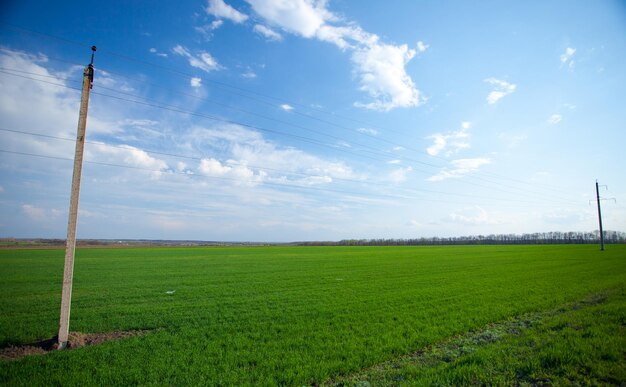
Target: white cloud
x,y
421,46
33,212
126,155
268,33
347,37
157,53
207,30
512,140
220,9
248,148
383,76
371,132
286,107
40,215
459,168
314,180
249,74
181,166
501,89
555,119
240,173
414,223
567,216
299,17
466,124
399,175
108,80
56,105
475,215
379,67
566,58
195,82
204,61
215,24
449,143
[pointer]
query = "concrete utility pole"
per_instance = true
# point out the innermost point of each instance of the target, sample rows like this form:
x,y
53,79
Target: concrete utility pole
x,y
68,271
599,217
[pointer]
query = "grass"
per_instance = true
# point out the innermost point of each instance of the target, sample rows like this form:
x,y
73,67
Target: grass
x,y
581,343
285,315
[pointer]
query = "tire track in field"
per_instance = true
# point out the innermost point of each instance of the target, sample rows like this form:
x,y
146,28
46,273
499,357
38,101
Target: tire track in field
x,y
454,347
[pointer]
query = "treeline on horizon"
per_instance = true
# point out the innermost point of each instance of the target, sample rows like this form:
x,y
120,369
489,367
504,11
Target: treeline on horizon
x,y
538,238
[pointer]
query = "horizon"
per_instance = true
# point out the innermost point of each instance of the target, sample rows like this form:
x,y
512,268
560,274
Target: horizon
x,y
541,235
251,120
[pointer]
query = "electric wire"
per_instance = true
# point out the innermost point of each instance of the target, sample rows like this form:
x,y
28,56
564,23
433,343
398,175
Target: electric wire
x,y
261,168
242,90
211,117
253,182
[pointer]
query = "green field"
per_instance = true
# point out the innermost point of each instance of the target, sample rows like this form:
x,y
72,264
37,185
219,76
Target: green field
x,y
309,315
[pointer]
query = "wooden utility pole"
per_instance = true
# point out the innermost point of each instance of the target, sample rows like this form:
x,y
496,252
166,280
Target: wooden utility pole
x,y
70,247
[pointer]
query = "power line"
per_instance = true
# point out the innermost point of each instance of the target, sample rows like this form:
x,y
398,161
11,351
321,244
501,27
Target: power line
x,y
376,151
192,174
253,182
175,71
259,168
299,138
377,138
242,91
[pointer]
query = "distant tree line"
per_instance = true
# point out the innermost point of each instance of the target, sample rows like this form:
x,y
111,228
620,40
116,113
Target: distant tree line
x,y
538,238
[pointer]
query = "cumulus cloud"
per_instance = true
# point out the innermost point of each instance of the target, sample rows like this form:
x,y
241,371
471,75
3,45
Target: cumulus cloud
x,y
555,119
195,82
299,17
566,57
126,155
240,173
248,148
220,9
204,61
449,143
380,67
267,33
500,89
421,46
459,168
286,107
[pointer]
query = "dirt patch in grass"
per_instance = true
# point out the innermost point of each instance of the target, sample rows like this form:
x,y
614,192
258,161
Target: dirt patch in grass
x,y
76,340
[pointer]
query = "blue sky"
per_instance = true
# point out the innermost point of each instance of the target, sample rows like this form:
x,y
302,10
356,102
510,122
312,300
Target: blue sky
x,y
276,120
